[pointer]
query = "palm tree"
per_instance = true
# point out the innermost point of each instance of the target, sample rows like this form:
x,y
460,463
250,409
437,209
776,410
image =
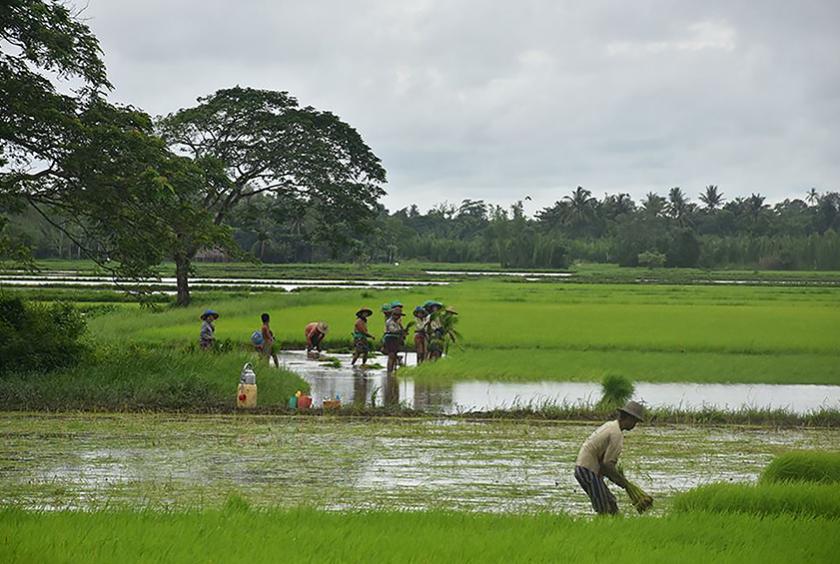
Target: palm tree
x,y
677,205
812,196
581,207
755,205
653,204
712,198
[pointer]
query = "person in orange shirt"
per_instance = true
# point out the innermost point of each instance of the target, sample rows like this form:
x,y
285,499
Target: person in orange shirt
x,y
315,333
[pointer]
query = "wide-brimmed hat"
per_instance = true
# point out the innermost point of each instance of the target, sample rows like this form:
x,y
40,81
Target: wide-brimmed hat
x,y
432,303
365,310
323,327
397,311
451,310
419,309
634,409
208,313
386,308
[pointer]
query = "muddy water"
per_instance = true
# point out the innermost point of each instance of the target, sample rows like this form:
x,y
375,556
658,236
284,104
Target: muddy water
x,y
372,386
85,461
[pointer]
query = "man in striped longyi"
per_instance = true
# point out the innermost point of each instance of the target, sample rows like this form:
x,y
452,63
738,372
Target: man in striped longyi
x,y
598,457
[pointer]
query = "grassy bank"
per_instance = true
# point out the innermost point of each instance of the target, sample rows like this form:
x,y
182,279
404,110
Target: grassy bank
x,y
804,466
137,379
240,535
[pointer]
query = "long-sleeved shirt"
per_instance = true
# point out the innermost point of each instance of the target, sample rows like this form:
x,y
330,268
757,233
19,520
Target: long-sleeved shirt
x,y
207,331
603,445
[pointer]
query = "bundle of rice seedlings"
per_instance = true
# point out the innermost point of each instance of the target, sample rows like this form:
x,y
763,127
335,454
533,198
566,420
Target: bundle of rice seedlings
x,y
641,500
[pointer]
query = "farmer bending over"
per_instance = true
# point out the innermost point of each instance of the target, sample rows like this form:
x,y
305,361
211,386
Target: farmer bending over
x,y
598,457
315,333
208,331
361,345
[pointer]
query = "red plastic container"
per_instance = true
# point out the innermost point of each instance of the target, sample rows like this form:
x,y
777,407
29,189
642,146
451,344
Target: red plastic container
x,y
304,402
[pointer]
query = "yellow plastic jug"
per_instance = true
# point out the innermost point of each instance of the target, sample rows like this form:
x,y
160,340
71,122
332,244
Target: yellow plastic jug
x,y
246,396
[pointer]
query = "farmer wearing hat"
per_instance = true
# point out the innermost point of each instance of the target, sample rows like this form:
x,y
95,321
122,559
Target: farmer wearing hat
x,y
598,457
434,330
315,333
421,338
361,345
208,331
394,335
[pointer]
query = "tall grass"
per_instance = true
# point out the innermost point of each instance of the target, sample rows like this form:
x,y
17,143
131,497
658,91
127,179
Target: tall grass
x,y
238,534
805,499
136,378
803,466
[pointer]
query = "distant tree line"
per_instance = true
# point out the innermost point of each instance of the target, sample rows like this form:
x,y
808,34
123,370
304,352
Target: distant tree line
x,y
668,231
659,231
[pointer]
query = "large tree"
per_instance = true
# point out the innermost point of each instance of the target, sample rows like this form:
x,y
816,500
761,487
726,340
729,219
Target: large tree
x,y
265,143
86,166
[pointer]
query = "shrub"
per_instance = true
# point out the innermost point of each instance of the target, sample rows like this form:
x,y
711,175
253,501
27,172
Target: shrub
x,y
803,466
651,259
817,500
39,337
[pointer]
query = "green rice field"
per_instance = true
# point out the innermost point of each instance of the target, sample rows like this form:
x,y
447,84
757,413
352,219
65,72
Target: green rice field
x,y
549,330
237,534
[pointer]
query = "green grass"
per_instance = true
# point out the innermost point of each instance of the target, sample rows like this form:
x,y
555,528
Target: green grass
x,y
805,499
803,466
640,366
238,534
136,378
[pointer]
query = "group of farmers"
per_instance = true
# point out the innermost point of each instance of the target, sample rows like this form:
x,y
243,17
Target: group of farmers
x,y
598,456
430,332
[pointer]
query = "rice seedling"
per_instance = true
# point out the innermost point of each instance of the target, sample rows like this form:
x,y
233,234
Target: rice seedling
x,y
806,499
615,391
803,466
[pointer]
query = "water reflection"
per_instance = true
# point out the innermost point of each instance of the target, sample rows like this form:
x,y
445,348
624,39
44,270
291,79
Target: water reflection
x,y
372,386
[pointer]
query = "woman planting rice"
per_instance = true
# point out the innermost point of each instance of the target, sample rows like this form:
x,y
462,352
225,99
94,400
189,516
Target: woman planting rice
x,y
421,338
361,344
598,457
207,336
315,333
394,335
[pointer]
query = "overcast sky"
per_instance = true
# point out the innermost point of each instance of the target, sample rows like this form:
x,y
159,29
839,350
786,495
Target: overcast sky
x,y
502,100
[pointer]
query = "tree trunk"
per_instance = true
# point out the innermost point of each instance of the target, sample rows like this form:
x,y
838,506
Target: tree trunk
x,y
182,276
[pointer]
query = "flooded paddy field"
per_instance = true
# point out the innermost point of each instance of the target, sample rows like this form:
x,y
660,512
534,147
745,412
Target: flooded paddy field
x,y
373,387
135,460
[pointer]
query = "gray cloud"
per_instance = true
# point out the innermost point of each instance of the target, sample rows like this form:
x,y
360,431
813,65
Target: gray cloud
x,y
468,99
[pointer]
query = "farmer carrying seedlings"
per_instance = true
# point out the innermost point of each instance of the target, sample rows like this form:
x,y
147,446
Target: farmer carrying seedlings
x,y
361,344
598,457
421,338
315,333
208,331
394,336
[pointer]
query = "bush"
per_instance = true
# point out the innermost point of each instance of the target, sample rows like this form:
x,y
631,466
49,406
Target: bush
x,y
684,249
803,466
813,500
39,337
651,259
